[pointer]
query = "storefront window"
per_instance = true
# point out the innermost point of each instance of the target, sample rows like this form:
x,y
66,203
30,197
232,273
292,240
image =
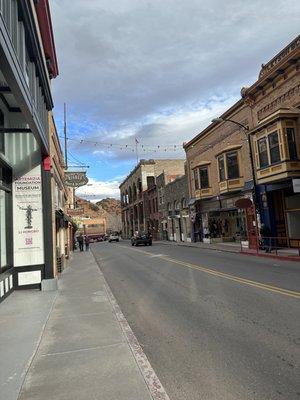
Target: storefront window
x,y
274,147
263,152
292,204
196,179
232,165
204,182
221,168
290,133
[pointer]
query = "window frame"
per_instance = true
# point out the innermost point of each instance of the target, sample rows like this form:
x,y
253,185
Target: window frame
x,y
222,158
229,153
265,139
293,142
202,168
272,147
196,179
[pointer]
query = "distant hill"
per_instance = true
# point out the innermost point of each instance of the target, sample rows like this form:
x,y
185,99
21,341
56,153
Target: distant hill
x,y
110,205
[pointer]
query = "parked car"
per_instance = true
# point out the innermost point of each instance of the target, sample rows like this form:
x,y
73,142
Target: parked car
x,y
141,238
113,237
95,238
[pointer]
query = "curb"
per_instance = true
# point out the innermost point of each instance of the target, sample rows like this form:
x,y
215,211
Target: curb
x,y
155,387
273,256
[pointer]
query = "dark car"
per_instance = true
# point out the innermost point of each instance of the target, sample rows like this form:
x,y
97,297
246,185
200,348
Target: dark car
x,y
141,238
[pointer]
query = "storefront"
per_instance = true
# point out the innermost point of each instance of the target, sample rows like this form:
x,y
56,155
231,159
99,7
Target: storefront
x,y
280,210
221,221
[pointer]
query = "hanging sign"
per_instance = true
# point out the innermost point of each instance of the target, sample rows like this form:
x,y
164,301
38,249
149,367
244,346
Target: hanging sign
x,y
28,219
76,179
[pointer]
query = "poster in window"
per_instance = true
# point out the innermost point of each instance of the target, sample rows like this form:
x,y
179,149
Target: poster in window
x,y
28,219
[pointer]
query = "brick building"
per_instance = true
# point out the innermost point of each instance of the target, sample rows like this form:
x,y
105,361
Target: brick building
x,y
132,188
176,209
219,159
219,174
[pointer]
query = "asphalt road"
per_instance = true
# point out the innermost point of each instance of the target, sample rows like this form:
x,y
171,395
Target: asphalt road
x,y
214,325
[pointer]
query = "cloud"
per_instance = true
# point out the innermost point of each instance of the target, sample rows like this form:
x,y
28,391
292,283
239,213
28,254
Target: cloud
x,y
156,70
97,190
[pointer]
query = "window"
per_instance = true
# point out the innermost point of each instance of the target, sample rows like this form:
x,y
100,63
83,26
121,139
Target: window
x,y
232,165
274,147
290,133
203,172
196,179
221,168
263,152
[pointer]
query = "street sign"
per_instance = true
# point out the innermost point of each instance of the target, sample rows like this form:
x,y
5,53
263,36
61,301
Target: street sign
x,y
76,179
75,211
296,185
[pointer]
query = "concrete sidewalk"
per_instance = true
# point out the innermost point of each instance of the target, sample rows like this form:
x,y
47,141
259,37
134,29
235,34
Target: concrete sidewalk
x,y
86,348
289,254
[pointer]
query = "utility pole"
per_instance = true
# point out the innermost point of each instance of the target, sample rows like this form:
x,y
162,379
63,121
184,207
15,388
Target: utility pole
x,y
65,135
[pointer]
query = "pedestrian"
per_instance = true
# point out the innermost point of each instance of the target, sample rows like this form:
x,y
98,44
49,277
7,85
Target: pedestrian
x,y
80,241
265,234
87,243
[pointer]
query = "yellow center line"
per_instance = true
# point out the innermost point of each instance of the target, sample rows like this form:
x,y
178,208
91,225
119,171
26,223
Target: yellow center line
x,y
223,275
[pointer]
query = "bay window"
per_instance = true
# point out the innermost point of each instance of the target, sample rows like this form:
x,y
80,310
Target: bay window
x,y
232,165
204,181
263,152
291,141
221,164
196,179
274,147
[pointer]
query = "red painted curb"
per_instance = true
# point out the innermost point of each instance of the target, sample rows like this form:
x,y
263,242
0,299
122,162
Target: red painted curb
x,y
285,258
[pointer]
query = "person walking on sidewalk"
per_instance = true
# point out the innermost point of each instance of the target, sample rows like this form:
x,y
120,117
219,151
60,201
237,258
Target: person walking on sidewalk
x,y
80,241
87,243
265,234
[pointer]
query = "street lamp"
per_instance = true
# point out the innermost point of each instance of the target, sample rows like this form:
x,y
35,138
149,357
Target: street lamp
x,y
246,131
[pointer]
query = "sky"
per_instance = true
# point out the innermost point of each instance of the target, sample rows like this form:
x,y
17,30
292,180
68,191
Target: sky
x,y
150,75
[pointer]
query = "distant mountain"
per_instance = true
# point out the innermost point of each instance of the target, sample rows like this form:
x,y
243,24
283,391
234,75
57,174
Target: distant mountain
x,y
112,206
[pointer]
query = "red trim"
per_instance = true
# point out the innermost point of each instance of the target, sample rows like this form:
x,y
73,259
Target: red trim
x,y
45,24
285,258
47,163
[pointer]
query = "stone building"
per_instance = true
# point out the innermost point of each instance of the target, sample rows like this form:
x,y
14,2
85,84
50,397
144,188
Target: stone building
x,y
258,160
132,188
176,197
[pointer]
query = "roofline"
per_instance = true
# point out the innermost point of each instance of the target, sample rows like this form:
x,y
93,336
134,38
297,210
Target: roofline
x,y
272,66
143,161
233,108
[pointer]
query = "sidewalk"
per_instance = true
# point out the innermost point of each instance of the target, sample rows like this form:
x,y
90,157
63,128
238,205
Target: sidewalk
x,y
85,350
229,247
291,254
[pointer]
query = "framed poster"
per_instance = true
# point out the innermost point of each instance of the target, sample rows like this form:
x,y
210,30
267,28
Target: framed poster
x,y
28,219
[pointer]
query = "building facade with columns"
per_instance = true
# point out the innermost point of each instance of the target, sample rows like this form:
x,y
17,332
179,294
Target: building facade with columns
x,y
136,183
